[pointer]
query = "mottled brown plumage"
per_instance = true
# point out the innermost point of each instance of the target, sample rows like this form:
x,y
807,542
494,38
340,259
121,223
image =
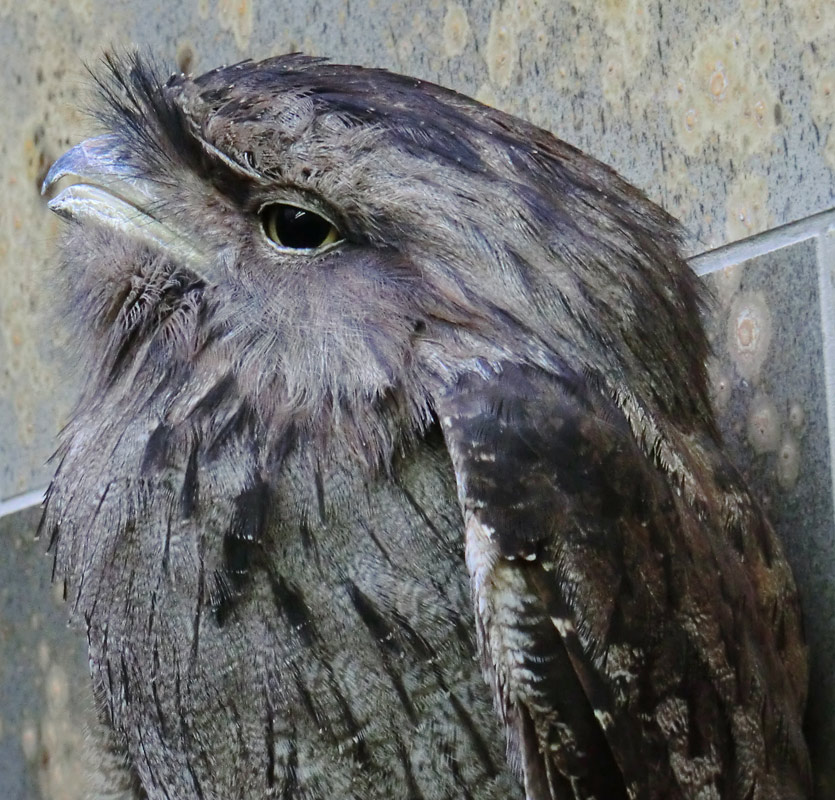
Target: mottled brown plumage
x,y
395,475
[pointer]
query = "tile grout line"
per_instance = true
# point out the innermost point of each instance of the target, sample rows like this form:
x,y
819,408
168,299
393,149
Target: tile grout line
x,y
21,502
825,247
774,239
816,226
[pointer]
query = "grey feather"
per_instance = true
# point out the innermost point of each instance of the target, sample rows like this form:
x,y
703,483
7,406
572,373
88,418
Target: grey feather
x,y
432,506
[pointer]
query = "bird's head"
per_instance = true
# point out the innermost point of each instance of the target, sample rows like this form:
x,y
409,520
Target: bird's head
x,y
343,238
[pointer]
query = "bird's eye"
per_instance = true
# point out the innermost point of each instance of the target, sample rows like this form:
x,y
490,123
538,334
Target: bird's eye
x,y
297,228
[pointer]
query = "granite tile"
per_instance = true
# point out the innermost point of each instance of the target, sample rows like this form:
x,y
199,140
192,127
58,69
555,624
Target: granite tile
x,y
44,681
770,392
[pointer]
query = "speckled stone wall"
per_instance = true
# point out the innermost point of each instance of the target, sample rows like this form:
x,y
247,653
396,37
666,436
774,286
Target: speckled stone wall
x,y
772,334
723,112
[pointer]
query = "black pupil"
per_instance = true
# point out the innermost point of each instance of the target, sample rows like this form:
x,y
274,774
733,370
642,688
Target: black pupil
x,y
299,228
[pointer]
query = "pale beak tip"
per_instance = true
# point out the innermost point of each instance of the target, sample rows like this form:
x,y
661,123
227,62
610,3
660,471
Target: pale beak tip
x,y
50,178
58,205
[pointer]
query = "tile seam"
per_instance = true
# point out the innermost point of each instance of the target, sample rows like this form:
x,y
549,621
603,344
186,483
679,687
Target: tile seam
x,y
766,242
816,226
825,248
21,502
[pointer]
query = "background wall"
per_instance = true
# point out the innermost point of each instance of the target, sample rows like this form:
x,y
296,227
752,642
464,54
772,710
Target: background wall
x,y
722,112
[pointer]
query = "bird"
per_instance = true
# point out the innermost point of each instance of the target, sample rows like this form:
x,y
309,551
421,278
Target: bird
x,y
394,473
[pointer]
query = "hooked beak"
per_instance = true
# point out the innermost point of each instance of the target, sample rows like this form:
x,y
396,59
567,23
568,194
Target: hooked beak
x,y
111,193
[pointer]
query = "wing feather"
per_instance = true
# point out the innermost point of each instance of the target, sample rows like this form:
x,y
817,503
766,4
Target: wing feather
x,y
622,634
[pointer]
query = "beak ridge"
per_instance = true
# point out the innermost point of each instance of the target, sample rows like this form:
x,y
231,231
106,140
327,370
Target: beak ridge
x,y
94,160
